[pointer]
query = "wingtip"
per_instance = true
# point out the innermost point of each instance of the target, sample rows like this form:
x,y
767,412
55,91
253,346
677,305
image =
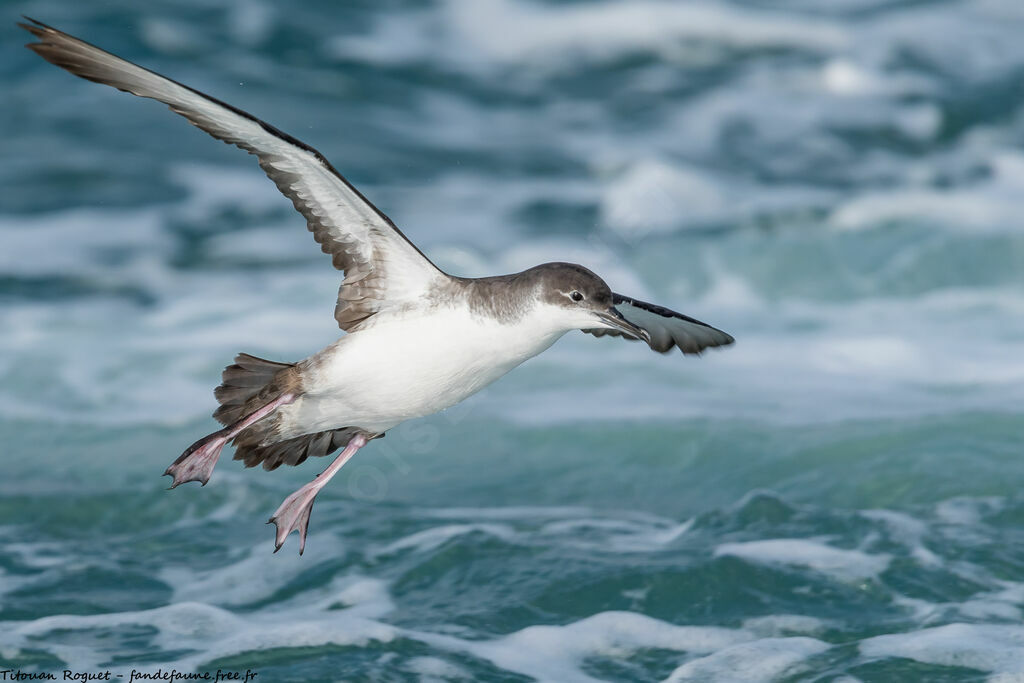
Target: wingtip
x,y
38,30
33,26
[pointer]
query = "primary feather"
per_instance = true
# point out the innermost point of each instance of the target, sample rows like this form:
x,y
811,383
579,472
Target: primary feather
x,y
383,269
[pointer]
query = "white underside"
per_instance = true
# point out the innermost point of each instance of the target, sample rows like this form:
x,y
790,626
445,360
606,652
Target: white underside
x,y
410,366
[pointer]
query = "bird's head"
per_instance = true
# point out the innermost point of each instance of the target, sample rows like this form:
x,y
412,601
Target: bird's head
x,y
580,300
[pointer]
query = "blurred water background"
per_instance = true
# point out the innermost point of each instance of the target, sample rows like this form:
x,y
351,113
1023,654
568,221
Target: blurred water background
x,y
835,498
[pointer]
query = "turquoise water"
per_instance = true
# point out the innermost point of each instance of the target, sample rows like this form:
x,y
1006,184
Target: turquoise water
x,y
836,498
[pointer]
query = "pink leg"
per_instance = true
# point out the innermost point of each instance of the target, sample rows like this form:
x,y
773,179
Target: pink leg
x,y
294,511
199,459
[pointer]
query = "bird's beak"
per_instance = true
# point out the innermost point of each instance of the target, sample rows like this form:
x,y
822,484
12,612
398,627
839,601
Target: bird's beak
x,y
613,319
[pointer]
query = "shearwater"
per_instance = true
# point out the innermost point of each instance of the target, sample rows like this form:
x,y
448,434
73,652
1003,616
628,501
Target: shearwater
x,y
417,341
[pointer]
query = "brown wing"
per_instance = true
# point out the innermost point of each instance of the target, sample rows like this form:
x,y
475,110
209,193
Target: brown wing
x,y
383,269
666,327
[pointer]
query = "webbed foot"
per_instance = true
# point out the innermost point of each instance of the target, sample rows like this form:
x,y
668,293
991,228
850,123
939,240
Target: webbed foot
x,y
198,460
293,513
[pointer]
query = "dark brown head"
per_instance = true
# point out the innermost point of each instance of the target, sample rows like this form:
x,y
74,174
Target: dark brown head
x,y
577,298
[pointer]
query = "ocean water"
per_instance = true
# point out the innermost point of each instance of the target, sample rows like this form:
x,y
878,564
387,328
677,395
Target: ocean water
x,y
835,498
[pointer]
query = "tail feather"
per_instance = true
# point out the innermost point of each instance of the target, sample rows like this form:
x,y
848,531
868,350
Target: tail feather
x,y
242,381
293,451
240,384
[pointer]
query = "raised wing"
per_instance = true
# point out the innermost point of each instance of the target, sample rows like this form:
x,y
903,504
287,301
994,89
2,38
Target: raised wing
x,y
382,267
666,327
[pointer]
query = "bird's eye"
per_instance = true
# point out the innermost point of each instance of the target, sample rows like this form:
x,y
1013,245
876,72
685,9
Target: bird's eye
x,y
576,295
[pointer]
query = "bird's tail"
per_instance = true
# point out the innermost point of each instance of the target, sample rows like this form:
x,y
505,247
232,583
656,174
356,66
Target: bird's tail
x,y
242,381
251,382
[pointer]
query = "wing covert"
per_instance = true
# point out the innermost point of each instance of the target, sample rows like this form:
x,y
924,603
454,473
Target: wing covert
x,y
382,267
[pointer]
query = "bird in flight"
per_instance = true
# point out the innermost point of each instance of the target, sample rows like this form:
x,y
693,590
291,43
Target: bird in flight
x,y
417,341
